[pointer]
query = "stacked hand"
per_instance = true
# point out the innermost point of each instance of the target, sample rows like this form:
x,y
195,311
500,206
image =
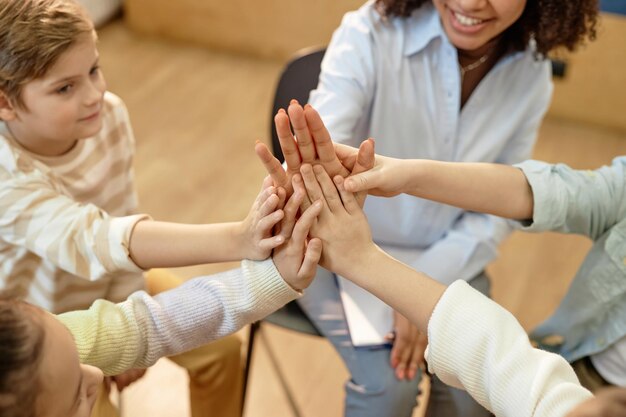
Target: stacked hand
x,y
608,402
297,258
258,238
313,146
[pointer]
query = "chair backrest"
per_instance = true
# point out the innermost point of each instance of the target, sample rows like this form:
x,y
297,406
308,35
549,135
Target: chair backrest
x,y
299,77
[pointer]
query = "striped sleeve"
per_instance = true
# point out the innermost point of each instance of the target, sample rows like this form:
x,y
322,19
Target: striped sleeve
x,y
79,238
137,332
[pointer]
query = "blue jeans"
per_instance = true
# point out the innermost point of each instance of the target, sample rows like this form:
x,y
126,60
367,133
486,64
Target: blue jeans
x,y
373,390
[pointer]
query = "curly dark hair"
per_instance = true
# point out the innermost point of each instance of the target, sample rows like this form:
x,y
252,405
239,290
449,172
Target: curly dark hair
x,y
551,23
21,345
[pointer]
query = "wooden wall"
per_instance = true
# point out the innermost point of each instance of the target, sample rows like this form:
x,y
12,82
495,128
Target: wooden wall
x,y
593,90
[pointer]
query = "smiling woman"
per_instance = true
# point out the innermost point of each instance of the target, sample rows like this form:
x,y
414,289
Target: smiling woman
x,y
430,79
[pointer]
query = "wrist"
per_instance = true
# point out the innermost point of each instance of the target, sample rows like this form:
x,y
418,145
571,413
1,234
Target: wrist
x,y
239,245
413,172
365,260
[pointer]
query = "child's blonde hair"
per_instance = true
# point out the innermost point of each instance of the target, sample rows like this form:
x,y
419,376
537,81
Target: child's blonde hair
x,y
33,34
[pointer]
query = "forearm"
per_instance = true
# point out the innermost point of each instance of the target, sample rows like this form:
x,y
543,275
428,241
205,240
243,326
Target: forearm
x,y
167,245
496,189
140,330
477,345
411,293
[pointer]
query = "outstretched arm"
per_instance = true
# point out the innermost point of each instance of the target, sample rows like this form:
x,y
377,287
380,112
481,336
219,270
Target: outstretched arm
x,y
156,244
473,343
487,188
496,189
140,330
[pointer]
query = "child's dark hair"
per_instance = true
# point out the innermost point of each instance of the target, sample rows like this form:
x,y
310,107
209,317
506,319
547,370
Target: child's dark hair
x,y
33,34
551,23
21,344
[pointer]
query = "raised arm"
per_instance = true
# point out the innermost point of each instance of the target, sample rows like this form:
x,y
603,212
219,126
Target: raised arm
x,y
156,244
140,330
496,189
473,343
487,188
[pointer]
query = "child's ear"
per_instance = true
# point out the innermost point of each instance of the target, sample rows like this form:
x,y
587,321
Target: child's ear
x,y
7,111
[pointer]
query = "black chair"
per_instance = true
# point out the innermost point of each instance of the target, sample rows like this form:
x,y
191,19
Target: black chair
x,y
299,77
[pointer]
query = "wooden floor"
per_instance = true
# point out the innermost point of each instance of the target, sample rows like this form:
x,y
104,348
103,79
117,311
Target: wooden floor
x,y
196,116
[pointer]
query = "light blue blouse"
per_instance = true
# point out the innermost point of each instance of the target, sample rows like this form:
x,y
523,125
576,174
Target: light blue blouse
x,y
398,80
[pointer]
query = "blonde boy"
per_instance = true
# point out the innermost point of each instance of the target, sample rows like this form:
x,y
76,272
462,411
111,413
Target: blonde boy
x,y
68,230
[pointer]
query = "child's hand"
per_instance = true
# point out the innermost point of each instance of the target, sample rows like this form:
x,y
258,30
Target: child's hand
x,y
387,177
608,402
125,379
407,353
342,225
255,231
297,259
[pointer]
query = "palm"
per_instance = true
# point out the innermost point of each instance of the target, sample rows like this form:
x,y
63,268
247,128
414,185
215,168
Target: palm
x,y
312,146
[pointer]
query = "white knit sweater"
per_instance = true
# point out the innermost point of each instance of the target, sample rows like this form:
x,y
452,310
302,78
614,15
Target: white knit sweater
x,y
477,345
142,329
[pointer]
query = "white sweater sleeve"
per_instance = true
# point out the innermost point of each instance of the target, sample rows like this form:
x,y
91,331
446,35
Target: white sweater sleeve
x,y
142,329
477,345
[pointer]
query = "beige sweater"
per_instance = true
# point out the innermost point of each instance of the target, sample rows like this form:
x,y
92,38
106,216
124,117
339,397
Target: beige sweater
x,y
65,221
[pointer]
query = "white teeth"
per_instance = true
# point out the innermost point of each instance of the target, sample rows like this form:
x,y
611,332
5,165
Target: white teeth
x,y
466,20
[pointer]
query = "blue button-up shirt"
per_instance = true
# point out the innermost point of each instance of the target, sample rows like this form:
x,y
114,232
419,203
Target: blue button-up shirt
x,y
398,80
592,316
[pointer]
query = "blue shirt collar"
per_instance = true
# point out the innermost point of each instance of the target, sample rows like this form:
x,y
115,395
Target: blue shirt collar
x,y
427,27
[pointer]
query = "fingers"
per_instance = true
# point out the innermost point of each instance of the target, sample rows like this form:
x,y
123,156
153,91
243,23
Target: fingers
x,y
303,136
401,354
366,156
328,189
313,189
323,143
359,182
287,142
365,161
350,202
607,402
265,226
270,243
282,197
313,251
124,380
345,152
298,185
271,164
312,257
305,222
404,348
417,357
291,211
267,182
268,201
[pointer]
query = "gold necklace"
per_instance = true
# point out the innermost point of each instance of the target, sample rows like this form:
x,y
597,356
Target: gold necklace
x,y
472,66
